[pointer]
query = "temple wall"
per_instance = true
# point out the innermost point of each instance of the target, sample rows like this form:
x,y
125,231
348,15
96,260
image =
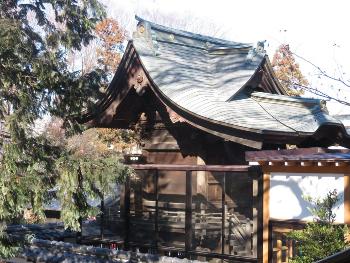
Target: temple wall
x,y
288,189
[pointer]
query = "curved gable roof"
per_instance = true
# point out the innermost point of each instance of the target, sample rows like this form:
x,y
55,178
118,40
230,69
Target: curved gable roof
x,y
214,81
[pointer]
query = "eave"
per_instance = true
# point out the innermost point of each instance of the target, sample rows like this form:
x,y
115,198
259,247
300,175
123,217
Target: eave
x,y
131,66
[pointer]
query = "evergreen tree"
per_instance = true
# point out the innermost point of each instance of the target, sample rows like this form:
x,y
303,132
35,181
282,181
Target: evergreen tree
x,y
287,71
89,167
320,238
35,80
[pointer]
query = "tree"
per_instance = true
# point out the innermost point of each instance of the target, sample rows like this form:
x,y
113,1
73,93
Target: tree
x,y
110,39
320,238
288,72
104,52
89,168
35,80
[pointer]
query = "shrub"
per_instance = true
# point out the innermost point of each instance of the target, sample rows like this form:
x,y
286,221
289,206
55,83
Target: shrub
x,y
320,238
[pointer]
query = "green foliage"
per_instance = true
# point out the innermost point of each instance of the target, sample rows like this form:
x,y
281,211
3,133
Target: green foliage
x,y
320,238
88,168
322,209
8,248
36,80
26,173
82,179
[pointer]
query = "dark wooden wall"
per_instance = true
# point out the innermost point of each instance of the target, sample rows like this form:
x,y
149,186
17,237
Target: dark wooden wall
x,y
167,140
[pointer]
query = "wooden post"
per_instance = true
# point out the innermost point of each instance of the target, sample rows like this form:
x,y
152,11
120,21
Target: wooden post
x,y
347,199
126,213
266,216
223,213
290,248
257,211
188,214
279,248
156,197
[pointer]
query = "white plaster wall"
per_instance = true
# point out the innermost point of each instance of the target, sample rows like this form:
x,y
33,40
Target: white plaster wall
x,y
287,191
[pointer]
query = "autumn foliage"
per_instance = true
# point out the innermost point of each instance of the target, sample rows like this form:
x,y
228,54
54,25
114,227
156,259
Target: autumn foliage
x,y
110,37
288,72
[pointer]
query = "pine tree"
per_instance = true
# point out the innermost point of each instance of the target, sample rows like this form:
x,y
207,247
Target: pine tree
x,y
89,167
288,72
35,80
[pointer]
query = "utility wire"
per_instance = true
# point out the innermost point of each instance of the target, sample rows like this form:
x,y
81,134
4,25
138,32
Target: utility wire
x,y
284,124
320,93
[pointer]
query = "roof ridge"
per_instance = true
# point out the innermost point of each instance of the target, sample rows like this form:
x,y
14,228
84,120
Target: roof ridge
x,y
279,97
204,38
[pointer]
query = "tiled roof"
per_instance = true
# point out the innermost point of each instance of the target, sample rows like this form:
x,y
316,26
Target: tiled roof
x,y
308,154
207,76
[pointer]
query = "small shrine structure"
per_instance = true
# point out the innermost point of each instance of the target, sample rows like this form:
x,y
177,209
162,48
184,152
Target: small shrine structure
x,y
288,177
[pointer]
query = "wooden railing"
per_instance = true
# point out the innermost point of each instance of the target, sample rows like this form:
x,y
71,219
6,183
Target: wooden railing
x,y
283,248
190,220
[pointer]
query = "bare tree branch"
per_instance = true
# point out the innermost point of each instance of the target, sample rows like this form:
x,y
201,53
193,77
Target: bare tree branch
x,y
321,94
323,72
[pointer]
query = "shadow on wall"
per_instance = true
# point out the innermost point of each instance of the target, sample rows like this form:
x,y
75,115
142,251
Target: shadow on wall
x,y
287,193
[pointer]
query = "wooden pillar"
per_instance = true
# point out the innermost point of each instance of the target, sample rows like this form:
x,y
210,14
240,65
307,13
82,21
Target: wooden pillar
x,y
257,212
156,216
290,248
223,213
266,216
347,201
279,248
126,212
188,214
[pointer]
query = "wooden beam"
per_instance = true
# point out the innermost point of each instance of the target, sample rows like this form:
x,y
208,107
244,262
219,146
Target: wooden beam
x,y
307,163
262,163
324,163
306,169
341,164
185,167
266,216
290,163
276,163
